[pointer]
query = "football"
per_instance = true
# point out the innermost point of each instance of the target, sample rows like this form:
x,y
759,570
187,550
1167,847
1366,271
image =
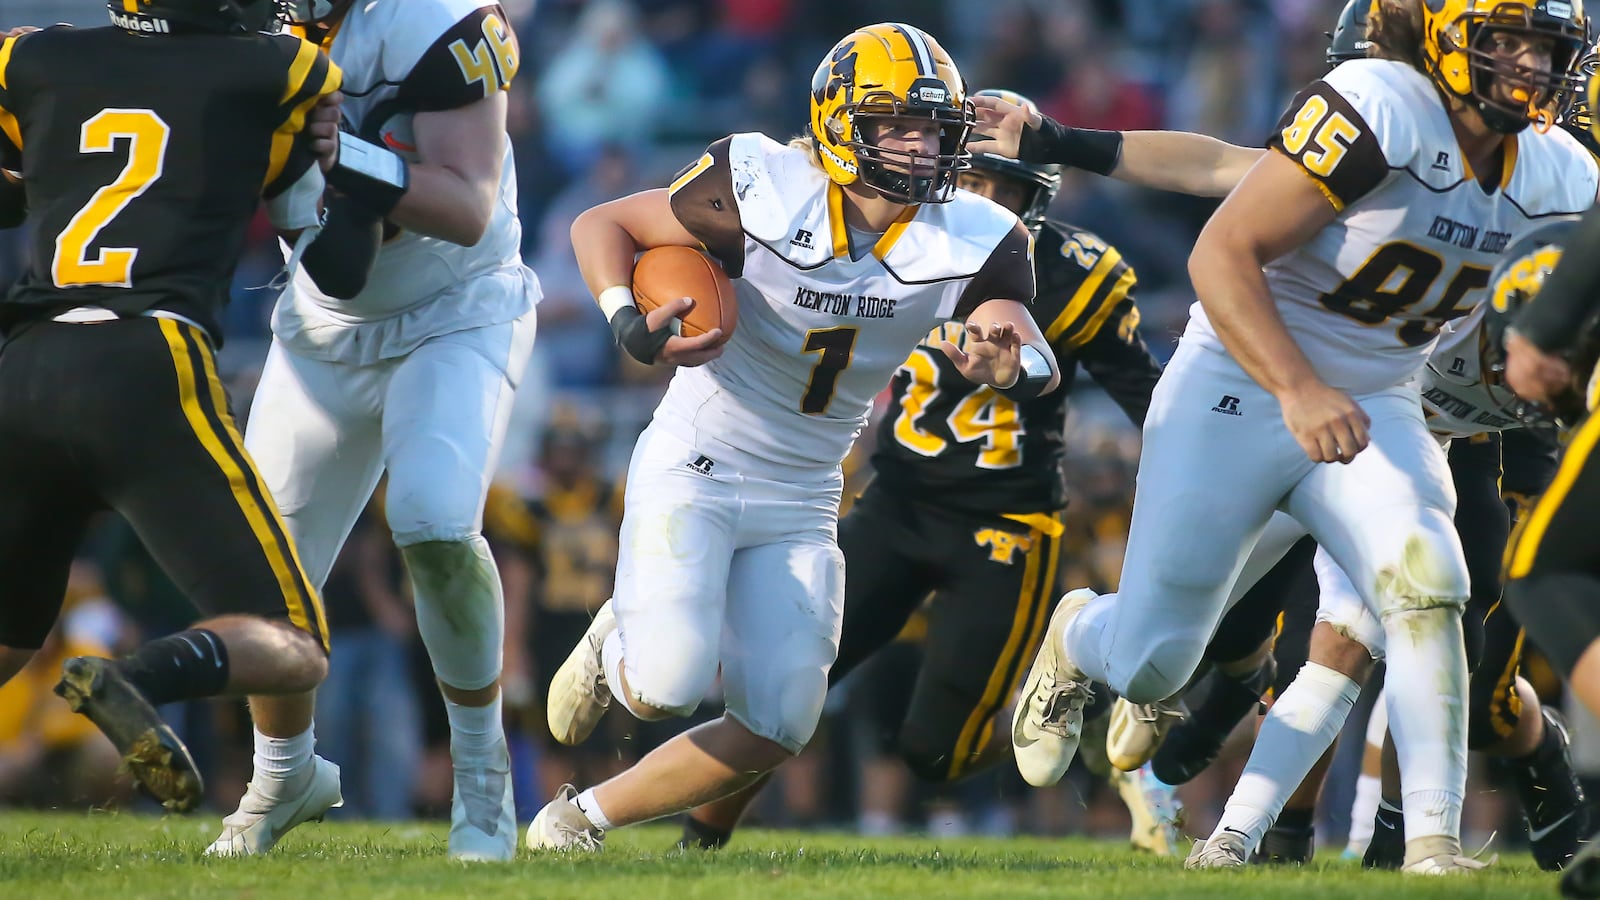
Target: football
x,y
664,274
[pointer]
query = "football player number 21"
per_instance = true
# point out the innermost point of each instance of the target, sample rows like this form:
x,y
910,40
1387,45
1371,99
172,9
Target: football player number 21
x,y
145,140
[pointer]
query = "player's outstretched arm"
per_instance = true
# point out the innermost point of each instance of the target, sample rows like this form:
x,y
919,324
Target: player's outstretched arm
x,y
1179,161
1274,210
1006,350
605,240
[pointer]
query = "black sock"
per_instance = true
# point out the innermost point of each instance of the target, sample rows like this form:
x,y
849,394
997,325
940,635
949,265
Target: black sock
x,y
188,665
701,836
1295,819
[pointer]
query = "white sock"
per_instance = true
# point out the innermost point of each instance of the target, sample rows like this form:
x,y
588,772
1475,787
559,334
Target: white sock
x,y
1298,729
475,731
611,660
1369,789
1085,639
1427,690
590,807
281,761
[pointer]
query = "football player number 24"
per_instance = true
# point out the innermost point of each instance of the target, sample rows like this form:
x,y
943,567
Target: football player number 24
x,y
145,136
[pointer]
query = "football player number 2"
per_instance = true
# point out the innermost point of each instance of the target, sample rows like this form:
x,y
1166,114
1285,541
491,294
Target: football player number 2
x,y
834,348
143,137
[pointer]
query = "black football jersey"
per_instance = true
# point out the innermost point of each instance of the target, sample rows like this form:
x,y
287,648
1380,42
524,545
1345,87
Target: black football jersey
x,y
145,157
961,445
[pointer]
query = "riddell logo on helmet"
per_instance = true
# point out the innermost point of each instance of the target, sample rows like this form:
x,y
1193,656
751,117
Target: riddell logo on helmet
x,y
146,24
837,160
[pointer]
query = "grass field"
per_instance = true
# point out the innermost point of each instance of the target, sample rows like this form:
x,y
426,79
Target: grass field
x,y
112,857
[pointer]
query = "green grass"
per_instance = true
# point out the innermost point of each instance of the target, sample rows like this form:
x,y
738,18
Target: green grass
x,y
112,857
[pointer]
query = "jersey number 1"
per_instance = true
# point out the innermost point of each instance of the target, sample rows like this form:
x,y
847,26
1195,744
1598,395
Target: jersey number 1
x,y
146,134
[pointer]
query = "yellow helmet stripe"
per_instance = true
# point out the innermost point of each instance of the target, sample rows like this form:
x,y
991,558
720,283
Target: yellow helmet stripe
x,y
919,48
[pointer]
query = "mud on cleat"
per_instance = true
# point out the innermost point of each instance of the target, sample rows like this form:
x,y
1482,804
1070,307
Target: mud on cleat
x,y
151,752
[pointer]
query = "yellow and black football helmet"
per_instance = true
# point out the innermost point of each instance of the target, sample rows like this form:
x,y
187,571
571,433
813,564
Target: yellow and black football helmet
x,y
890,70
1044,181
1454,48
1577,115
189,16
1515,282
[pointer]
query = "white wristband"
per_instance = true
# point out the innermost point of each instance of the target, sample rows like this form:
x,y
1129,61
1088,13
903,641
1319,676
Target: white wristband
x,y
615,298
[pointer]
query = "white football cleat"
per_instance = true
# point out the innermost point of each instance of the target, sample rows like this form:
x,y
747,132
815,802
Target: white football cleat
x,y
483,814
1155,809
578,692
260,822
1048,719
1137,730
1223,850
561,825
1441,855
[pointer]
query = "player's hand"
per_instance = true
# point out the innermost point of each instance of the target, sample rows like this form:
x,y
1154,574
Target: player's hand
x,y
19,31
992,357
322,126
683,351
1534,374
999,126
1329,426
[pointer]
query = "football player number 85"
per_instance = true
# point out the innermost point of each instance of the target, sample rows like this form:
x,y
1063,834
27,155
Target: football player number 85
x,y
145,136
1329,136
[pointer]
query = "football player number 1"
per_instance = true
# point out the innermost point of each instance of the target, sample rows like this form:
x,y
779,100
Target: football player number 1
x,y
145,137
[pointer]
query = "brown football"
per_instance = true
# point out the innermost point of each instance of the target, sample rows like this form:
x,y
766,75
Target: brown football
x,y
663,274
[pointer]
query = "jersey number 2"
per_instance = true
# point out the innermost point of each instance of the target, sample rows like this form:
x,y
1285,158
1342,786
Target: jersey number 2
x,y
836,346
146,134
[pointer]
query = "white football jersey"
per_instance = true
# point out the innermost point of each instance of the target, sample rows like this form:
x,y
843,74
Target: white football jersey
x,y
819,334
1416,235
399,58
1456,398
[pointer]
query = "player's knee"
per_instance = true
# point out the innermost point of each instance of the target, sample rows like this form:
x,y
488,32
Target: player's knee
x,y
1165,669
670,684
1429,573
437,510
931,761
1492,715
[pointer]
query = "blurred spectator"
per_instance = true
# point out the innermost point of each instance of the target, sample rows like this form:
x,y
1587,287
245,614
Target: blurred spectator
x,y
573,335
579,512
1095,93
606,85
368,714
49,755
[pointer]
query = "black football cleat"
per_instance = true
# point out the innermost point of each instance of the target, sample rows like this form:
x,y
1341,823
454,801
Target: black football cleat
x,y
1582,875
1388,847
151,752
1286,846
1552,799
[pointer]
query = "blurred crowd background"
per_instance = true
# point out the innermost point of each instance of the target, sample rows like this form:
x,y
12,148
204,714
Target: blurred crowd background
x,y
615,96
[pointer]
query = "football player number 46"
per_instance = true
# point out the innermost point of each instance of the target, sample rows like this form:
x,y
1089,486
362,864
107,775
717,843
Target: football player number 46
x,y
143,137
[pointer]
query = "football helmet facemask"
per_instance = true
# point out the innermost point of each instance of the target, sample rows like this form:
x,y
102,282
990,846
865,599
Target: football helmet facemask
x,y
1455,47
1349,38
1043,181
882,71
1514,283
1577,110
189,16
